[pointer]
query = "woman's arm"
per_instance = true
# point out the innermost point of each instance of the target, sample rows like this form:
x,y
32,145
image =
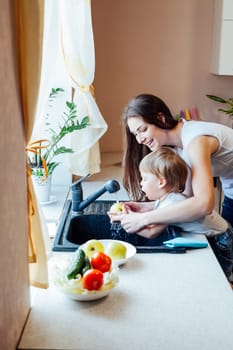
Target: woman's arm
x,y
139,207
193,208
151,231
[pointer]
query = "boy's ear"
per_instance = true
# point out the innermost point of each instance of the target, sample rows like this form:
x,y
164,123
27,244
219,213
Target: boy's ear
x,y
162,182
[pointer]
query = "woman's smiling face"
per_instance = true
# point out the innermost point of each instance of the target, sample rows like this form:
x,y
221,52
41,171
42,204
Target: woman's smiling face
x,y
146,134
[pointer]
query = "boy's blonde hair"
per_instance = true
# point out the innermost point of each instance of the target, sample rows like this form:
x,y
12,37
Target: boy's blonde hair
x,y
165,163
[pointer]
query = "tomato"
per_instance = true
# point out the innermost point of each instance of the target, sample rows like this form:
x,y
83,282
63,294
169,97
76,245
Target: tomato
x,y
93,279
101,261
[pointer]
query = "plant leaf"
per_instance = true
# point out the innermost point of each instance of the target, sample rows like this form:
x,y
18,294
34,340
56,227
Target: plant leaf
x,y
85,121
63,149
52,166
70,104
216,98
227,111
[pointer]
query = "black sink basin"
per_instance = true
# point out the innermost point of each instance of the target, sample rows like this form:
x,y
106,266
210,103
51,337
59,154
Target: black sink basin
x,y
74,230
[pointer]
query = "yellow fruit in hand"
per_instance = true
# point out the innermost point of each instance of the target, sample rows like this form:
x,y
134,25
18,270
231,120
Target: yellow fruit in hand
x,y
92,246
116,208
116,250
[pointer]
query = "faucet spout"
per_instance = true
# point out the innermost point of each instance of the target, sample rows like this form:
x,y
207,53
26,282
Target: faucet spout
x,y
78,204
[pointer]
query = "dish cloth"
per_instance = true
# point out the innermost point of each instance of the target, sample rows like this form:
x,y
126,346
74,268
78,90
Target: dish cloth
x,y
185,242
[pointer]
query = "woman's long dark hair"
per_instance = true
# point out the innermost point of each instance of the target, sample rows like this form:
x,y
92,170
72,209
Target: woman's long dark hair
x,y
150,108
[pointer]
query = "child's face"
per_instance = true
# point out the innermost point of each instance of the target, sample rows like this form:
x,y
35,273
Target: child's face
x,y
151,186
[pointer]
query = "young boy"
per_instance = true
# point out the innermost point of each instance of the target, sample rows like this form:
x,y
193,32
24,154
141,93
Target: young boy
x,y
164,175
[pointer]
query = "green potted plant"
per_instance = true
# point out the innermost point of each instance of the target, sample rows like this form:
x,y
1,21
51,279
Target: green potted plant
x,y
229,104
42,153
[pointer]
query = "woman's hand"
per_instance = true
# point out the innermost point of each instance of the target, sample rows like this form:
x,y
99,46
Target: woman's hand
x,y
131,221
138,207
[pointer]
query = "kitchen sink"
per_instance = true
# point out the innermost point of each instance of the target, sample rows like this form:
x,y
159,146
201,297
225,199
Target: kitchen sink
x,y
94,223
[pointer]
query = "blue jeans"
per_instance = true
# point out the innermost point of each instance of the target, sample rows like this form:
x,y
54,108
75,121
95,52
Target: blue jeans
x,y
227,210
222,246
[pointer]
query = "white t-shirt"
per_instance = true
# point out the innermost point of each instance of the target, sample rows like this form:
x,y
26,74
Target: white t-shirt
x,y
222,159
209,225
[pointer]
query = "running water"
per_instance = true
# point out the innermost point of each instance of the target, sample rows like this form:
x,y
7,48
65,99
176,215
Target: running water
x,y
115,230
118,233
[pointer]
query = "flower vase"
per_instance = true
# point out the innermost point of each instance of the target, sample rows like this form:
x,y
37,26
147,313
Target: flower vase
x,y
42,186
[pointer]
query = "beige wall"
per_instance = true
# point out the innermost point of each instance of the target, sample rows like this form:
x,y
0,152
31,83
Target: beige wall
x,y
14,285
157,46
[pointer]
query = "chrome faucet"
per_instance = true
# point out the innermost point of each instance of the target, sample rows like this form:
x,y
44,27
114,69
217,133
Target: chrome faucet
x,y
79,204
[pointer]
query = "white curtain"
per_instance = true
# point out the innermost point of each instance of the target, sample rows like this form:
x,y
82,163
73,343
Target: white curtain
x,y
49,57
78,51
31,27
50,48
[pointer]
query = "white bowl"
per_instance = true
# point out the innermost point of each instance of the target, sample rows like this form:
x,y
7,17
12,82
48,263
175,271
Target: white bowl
x,y
73,289
89,296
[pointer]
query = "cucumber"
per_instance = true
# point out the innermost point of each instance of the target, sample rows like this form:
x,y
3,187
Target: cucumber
x,y
76,264
86,265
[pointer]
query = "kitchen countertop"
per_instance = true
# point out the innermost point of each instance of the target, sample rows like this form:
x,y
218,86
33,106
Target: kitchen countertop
x,y
163,301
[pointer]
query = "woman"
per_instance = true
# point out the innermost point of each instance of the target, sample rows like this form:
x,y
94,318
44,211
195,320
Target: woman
x,y
206,147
